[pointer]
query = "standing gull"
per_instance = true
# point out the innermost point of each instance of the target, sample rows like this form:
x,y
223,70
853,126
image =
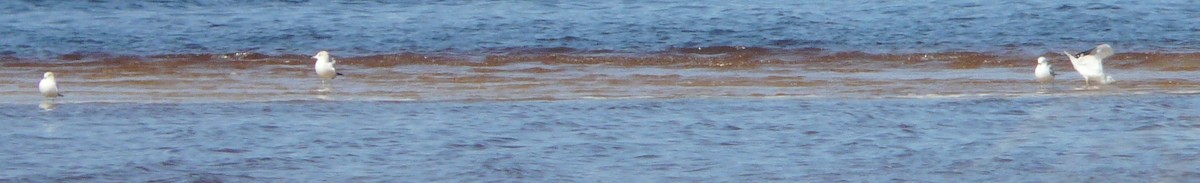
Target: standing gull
x,y
1044,71
1090,64
324,67
48,86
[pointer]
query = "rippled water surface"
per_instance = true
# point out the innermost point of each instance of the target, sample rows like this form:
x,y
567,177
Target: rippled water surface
x,y
41,28
597,91
1132,138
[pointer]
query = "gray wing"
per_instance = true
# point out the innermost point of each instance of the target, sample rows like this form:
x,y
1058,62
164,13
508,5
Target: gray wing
x,y
1102,51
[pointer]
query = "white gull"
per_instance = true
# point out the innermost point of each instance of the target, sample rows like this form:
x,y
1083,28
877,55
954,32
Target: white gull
x,y
324,66
1090,64
48,86
1044,71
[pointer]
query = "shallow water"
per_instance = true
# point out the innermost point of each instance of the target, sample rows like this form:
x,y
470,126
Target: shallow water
x,y
611,91
1120,138
192,80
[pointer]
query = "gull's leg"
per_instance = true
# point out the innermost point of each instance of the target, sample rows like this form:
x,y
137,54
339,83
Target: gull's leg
x,y
324,86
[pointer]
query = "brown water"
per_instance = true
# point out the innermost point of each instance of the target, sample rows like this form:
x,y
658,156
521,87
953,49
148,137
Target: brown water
x,y
551,75
732,115
609,91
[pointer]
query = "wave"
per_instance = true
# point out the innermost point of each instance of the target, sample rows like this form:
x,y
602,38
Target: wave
x,y
702,57
364,28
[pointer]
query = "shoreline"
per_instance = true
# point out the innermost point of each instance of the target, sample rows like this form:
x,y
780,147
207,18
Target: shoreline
x,y
571,74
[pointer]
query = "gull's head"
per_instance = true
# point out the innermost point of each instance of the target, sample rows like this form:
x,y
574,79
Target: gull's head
x,y
321,55
1041,60
48,75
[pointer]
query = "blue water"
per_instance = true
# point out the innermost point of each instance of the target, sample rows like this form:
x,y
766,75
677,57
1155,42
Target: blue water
x,y
772,115
50,28
1105,138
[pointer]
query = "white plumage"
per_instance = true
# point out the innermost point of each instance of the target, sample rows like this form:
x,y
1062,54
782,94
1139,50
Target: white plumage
x,y
1090,64
324,66
1044,71
48,86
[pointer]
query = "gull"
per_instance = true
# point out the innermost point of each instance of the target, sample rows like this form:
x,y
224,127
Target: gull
x,y
324,66
1090,64
48,86
1044,71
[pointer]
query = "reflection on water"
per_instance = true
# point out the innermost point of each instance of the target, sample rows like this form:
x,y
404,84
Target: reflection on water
x,y
48,105
323,95
325,87
324,90
51,127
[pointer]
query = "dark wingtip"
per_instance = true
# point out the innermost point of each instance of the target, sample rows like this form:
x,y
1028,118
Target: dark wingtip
x,y
61,95
339,74
1084,53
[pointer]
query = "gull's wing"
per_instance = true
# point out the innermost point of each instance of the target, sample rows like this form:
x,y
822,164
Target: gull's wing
x,y
1073,58
1084,53
1102,51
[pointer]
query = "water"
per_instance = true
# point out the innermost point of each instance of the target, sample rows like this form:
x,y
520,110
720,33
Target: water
x,y
609,91
1131,138
358,28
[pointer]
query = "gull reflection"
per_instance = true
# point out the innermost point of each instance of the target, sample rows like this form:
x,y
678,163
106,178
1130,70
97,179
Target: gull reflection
x,y
324,91
48,105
